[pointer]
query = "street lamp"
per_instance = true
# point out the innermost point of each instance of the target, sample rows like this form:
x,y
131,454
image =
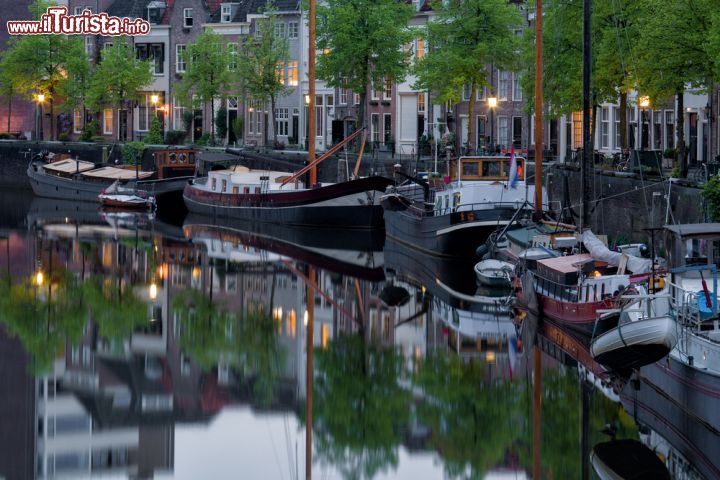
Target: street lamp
x,y
39,278
643,103
492,104
153,291
38,116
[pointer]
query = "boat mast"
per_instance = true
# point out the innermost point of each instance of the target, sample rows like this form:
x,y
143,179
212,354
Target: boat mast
x,y
309,373
538,107
311,92
587,157
537,354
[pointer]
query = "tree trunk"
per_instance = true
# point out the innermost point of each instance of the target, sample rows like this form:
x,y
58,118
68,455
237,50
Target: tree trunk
x,y
212,120
52,116
272,118
9,111
471,116
680,132
623,121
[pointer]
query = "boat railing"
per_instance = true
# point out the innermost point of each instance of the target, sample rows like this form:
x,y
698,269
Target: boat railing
x,y
469,208
684,304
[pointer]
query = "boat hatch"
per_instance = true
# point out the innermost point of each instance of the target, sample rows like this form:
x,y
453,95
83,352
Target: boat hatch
x,y
69,166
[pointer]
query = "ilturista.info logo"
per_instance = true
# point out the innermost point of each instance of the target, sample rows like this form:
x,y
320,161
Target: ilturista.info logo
x,y
56,20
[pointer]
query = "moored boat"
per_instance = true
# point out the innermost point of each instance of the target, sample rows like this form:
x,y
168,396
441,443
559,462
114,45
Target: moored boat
x,y
627,459
264,196
449,216
74,179
118,197
494,273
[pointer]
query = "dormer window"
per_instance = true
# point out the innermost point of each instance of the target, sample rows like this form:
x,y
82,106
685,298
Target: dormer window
x,y
155,11
188,17
225,13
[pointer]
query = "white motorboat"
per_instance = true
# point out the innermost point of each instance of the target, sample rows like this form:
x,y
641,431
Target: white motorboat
x,y
118,196
494,273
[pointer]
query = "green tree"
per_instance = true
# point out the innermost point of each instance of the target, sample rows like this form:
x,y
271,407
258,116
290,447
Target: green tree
x,y
207,75
118,78
360,41
39,64
154,136
674,50
7,89
465,37
74,86
264,59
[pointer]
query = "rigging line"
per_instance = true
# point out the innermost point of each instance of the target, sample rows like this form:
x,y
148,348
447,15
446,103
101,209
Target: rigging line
x,y
272,441
577,205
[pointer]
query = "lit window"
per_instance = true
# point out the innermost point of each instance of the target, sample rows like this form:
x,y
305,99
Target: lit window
x,y
292,73
108,121
421,102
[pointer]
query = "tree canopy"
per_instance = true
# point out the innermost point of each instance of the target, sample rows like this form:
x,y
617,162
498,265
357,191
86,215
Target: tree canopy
x,y
360,41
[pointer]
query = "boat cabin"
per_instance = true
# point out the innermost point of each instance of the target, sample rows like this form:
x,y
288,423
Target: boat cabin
x,y
240,180
491,168
175,162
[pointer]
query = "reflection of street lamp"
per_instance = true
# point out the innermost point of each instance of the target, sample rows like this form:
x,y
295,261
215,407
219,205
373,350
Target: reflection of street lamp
x,y
38,116
492,104
39,278
153,291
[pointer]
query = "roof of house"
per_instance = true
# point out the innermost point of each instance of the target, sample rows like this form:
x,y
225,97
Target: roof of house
x,y
248,7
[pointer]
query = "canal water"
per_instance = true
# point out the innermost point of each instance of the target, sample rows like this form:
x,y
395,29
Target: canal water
x,y
136,347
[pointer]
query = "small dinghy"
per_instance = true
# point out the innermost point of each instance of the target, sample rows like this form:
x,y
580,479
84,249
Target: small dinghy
x,y
627,459
120,197
638,339
494,273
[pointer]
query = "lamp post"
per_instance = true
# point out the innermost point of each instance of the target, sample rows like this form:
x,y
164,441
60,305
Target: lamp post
x,y
492,104
38,116
643,103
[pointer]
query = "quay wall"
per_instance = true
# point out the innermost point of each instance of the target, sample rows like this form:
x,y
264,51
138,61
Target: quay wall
x,y
627,204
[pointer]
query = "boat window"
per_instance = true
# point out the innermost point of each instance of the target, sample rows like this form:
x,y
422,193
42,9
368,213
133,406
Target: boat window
x,y
191,156
236,190
224,185
257,190
470,168
246,190
492,168
181,158
214,183
172,158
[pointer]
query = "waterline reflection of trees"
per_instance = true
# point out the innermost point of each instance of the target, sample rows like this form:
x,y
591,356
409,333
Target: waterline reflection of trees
x,y
248,341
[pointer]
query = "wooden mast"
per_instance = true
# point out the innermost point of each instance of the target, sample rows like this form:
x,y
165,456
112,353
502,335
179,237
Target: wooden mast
x,y
538,106
537,354
309,373
311,92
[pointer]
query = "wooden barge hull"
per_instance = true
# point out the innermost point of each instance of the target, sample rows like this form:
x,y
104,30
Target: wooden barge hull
x,y
348,205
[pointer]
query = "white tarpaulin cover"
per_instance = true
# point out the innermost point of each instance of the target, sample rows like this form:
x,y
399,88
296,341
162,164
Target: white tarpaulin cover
x,y
599,251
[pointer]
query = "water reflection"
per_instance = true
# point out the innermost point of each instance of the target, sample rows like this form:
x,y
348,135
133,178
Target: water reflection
x,y
176,351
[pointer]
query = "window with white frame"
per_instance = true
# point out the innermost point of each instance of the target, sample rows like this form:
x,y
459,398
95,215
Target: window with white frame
x,y
374,93
419,48
89,44
375,127
669,129
517,89
292,29
503,131
232,103
225,13
292,73
77,121
78,10
319,116
342,100
356,98
421,102
387,127
657,130
503,85
480,94
466,92
187,17
481,135
281,121
387,94
155,52
233,56
605,127
280,29
108,121
178,114
616,121
180,60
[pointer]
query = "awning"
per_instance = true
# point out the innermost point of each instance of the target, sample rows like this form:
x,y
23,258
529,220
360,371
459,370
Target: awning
x,y
69,166
113,173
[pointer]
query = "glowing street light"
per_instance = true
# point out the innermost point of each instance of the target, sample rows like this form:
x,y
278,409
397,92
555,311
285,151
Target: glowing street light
x,y
154,99
153,291
644,102
41,97
492,104
39,278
